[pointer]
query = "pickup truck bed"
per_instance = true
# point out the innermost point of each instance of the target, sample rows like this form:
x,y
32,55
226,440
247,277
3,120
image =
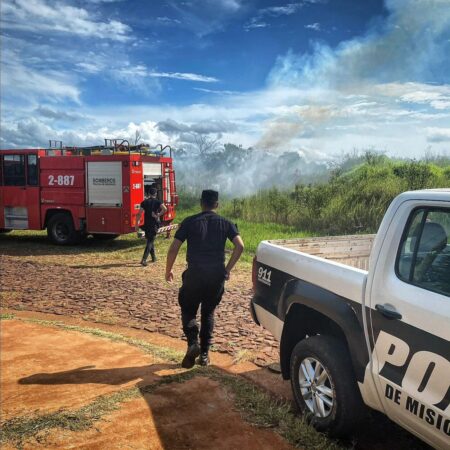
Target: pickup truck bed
x,y
337,263
353,250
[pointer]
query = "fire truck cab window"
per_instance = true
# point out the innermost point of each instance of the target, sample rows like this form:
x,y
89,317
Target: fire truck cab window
x,y
32,173
14,170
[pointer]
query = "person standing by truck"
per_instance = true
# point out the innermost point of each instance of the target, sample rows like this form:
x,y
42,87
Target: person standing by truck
x,y
203,280
153,209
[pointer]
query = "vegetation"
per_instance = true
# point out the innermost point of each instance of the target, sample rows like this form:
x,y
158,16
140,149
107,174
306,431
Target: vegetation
x,y
352,201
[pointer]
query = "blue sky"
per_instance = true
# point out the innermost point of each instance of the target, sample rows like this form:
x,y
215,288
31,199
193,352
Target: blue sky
x,y
320,77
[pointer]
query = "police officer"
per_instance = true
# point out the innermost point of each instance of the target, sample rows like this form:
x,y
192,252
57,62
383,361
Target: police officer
x,y
204,278
152,209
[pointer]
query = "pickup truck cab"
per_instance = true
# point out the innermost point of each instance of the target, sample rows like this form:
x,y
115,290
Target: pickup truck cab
x,y
365,319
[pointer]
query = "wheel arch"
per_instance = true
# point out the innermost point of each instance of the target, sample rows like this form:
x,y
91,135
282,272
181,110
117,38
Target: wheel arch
x,y
51,212
311,310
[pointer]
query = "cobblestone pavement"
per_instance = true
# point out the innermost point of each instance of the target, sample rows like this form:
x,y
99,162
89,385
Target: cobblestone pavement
x,y
108,298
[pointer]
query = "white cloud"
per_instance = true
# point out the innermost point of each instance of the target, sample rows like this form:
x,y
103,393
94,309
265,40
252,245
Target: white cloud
x,y
438,134
167,21
203,17
403,48
260,19
254,25
313,26
50,17
140,70
35,133
275,11
47,112
183,76
438,97
378,79
215,91
20,79
90,66
103,1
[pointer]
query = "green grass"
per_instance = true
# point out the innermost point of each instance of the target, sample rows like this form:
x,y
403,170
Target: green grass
x,y
128,248
352,201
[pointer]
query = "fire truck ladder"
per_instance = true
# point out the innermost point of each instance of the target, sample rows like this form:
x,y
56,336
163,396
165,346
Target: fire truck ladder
x,y
111,146
54,147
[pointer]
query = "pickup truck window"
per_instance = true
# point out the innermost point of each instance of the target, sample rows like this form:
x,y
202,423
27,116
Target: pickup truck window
x,y
424,254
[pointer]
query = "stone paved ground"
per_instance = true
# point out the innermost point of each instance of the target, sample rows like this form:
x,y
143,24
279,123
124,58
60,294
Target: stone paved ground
x,y
107,297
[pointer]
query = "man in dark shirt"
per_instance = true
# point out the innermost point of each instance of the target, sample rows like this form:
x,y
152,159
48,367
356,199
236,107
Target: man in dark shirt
x,y
204,278
152,209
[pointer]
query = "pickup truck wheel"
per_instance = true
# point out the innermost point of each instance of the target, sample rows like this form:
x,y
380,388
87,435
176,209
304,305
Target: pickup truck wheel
x,y
324,385
61,231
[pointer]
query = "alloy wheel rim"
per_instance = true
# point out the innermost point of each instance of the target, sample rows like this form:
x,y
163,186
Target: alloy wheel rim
x,y
316,387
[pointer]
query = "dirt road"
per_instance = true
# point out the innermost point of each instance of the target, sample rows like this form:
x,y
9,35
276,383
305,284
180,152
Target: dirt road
x,y
66,389
148,304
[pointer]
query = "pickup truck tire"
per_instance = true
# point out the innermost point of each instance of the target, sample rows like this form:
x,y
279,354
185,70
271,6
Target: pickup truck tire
x,y
61,231
324,385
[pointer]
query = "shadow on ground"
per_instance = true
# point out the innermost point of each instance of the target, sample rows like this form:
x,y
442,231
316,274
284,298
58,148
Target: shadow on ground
x,y
38,244
183,413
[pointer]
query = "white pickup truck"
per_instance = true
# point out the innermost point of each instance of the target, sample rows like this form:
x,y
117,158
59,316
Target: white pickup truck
x,y
366,319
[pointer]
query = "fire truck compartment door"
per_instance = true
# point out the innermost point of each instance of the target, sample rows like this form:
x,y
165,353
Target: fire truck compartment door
x,y
104,220
104,181
152,169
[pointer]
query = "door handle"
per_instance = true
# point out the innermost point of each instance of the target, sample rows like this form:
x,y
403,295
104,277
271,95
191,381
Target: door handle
x,y
388,312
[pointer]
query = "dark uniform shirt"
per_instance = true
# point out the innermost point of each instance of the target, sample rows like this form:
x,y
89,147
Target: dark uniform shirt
x,y
206,234
150,205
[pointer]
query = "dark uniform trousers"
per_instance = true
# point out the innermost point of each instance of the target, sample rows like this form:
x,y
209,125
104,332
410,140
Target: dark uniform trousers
x,y
150,234
202,285
150,247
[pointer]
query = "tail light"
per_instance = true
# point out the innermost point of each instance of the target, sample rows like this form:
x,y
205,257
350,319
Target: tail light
x,y
254,273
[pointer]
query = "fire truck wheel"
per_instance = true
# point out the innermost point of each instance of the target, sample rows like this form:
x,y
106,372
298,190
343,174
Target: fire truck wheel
x,y
105,237
61,231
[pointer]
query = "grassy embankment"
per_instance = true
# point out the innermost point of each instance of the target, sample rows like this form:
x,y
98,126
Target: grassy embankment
x,y
352,201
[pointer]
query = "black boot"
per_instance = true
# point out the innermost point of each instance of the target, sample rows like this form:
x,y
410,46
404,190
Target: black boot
x,y
189,358
203,359
144,263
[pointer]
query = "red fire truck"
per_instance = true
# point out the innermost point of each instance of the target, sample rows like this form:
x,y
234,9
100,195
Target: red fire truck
x,y
73,192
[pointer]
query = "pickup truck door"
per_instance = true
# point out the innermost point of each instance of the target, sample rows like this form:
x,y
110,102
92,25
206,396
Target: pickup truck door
x,y
410,317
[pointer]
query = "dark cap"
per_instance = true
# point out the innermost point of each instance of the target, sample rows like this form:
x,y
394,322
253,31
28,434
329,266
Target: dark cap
x,y
153,191
210,197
